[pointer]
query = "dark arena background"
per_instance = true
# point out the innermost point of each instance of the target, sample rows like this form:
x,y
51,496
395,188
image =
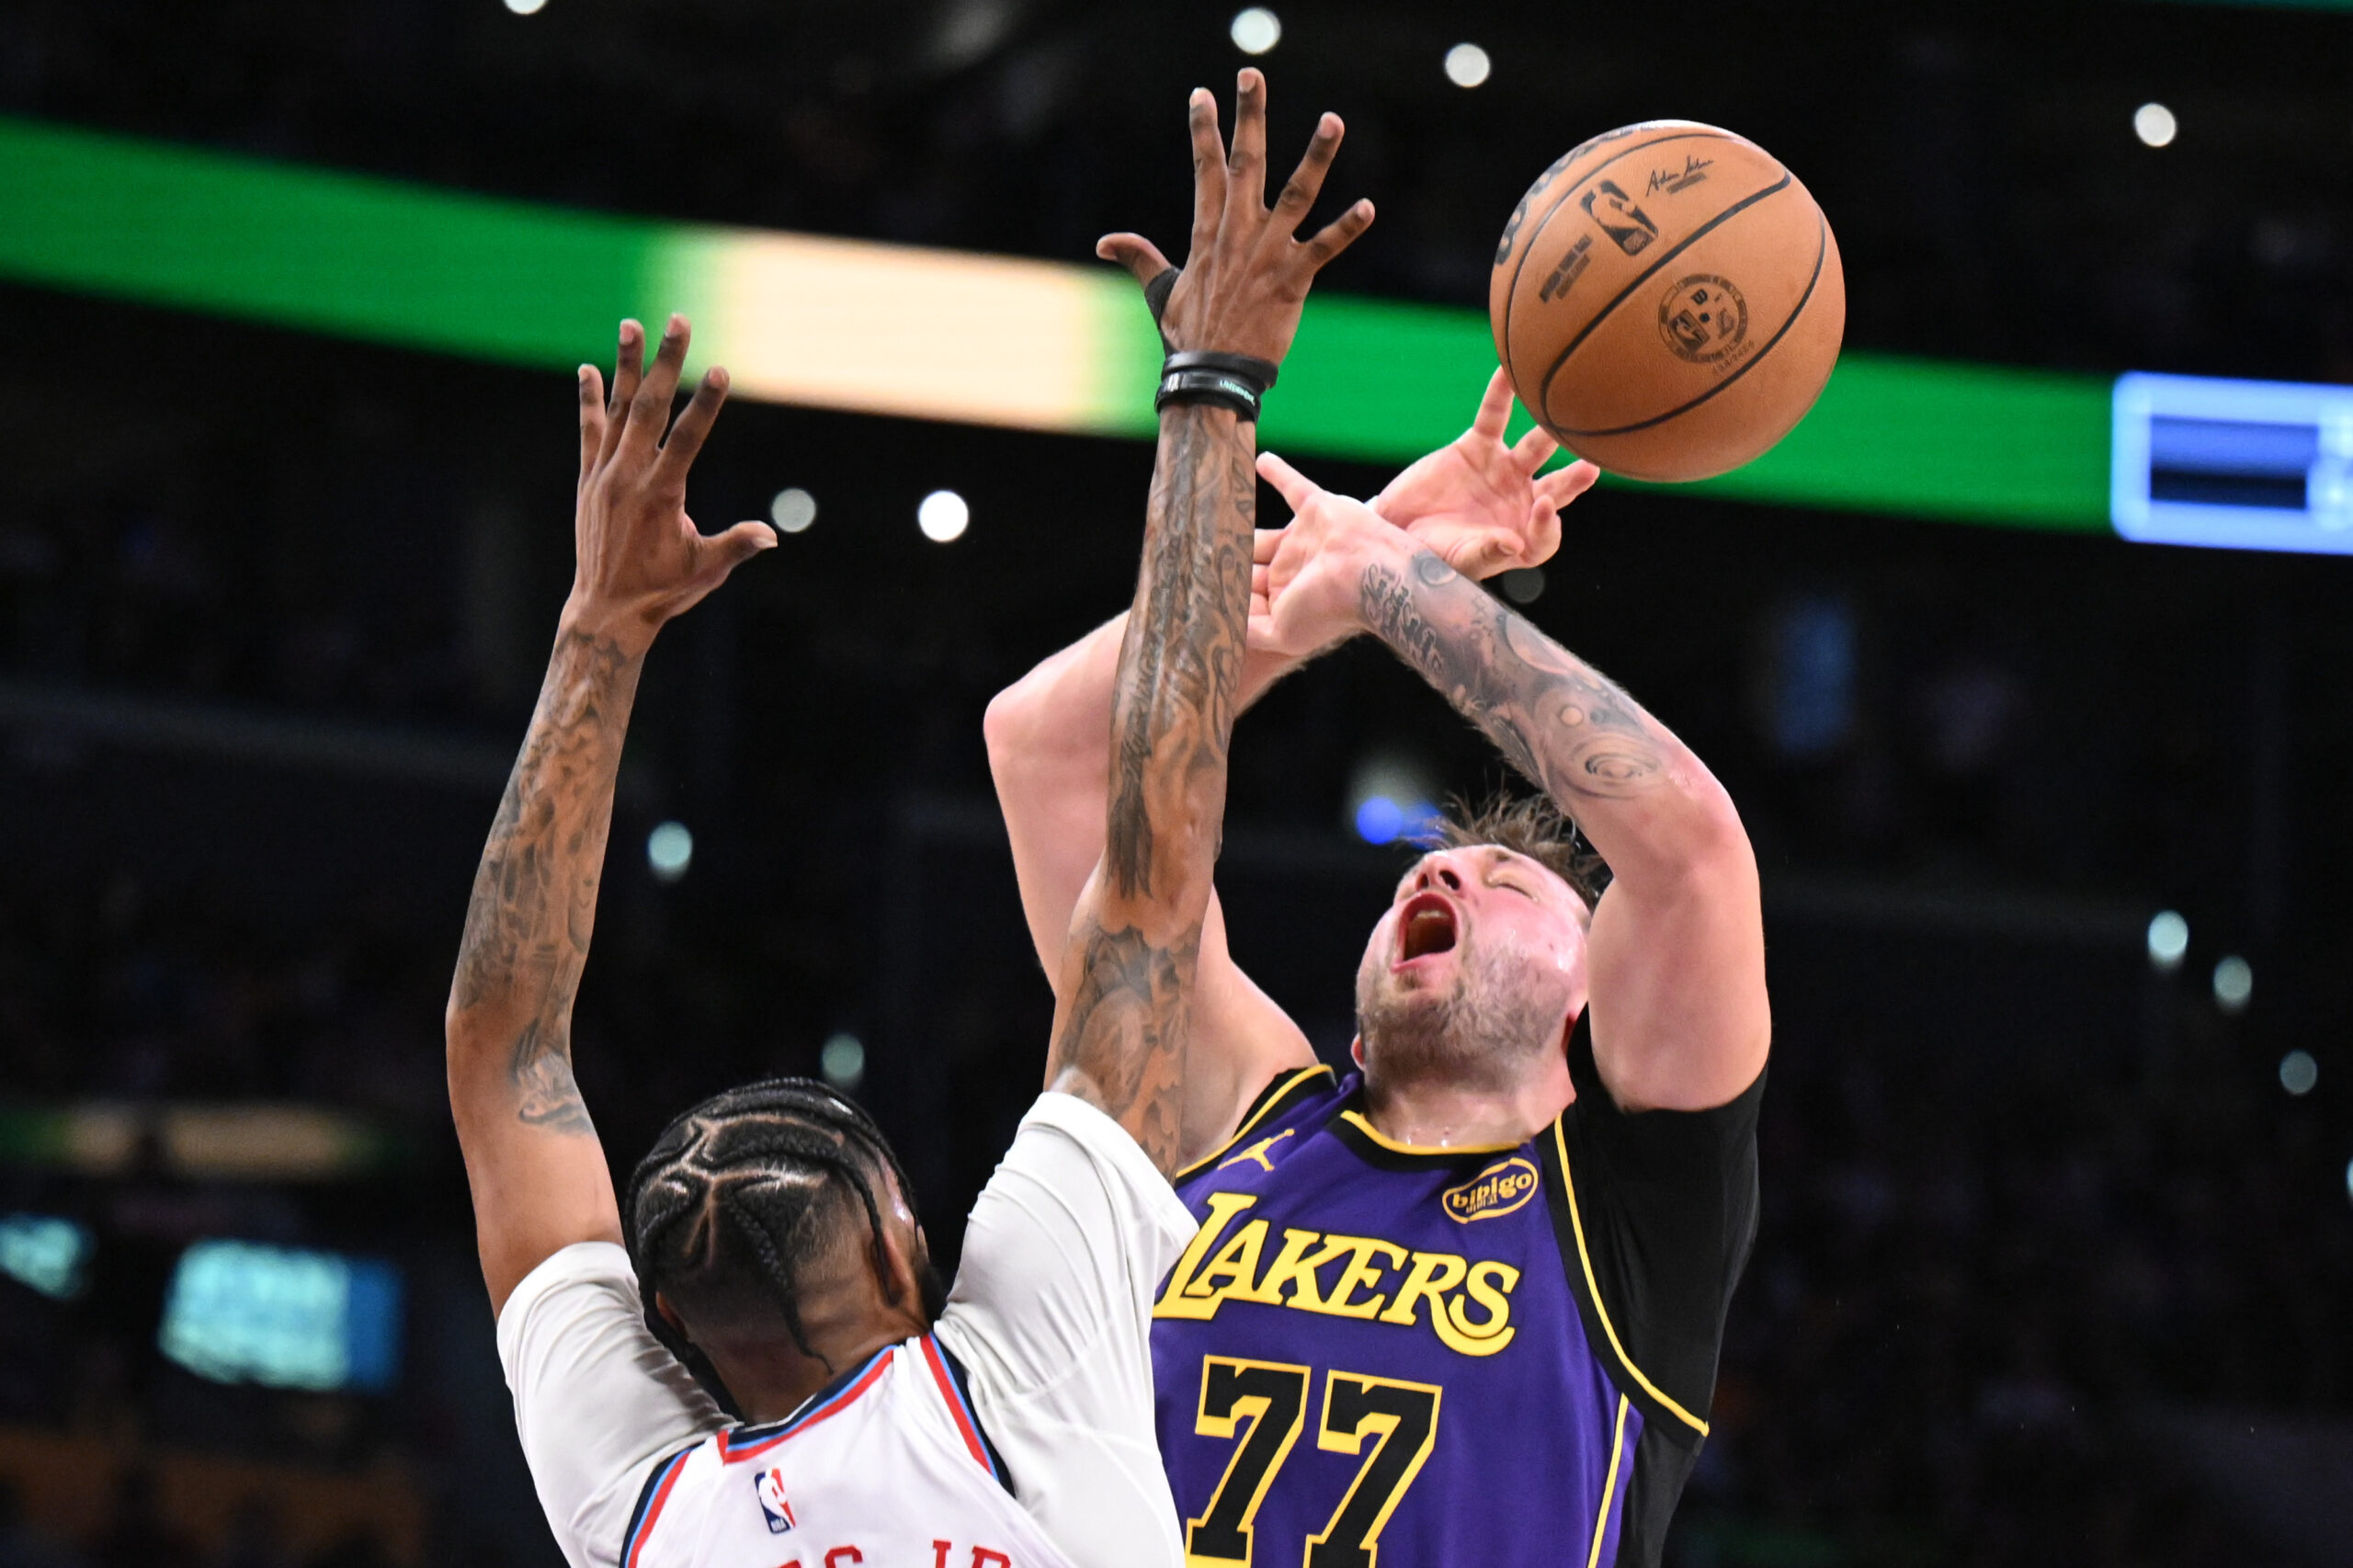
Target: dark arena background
x,y
2030,683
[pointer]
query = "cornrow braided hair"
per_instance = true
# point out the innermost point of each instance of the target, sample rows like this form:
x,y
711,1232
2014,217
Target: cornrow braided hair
x,y
742,1191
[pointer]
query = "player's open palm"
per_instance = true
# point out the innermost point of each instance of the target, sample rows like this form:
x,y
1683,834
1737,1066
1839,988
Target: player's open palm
x,y
1304,590
1478,502
639,558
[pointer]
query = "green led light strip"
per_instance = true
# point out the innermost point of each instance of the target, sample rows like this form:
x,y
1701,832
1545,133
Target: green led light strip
x,y
930,334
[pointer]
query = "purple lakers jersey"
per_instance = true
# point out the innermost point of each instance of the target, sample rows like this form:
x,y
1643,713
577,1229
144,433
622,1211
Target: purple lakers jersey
x,y
1462,1355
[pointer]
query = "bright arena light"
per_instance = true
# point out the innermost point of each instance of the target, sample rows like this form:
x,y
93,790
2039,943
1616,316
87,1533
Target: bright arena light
x,y
1388,798
2299,1073
670,849
2154,125
843,1061
1467,65
525,7
793,510
2168,939
943,516
1256,30
2233,983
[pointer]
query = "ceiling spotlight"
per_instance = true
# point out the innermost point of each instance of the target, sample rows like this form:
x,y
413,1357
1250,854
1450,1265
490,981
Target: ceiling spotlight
x,y
793,510
1256,30
2233,983
943,516
670,850
2154,125
1389,799
1467,65
2299,1073
1524,584
525,7
2168,939
842,1062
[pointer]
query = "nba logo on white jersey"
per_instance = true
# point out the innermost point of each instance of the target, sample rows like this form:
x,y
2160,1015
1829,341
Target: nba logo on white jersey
x,y
769,1485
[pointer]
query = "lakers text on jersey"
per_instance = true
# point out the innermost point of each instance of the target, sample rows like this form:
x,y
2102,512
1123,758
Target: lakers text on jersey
x,y
1375,1349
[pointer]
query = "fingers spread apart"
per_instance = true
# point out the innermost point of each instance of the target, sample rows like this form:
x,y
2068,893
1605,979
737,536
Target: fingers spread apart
x,y
1292,485
649,411
592,420
629,366
686,435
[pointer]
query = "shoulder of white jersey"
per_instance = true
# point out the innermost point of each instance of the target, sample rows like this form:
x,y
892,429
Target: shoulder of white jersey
x,y
746,1463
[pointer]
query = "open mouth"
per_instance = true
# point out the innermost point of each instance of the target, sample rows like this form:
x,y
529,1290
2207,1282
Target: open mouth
x,y
1425,925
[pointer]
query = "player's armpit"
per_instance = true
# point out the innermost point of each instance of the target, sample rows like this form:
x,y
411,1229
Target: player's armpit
x,y
1242,1040
536,1191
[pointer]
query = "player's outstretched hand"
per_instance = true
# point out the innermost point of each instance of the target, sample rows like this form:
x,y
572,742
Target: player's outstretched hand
x,y
1478,502
1304,584
639,559
1247,273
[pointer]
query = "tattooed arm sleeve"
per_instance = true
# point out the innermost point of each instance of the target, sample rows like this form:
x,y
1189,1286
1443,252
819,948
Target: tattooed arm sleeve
x,y
538,1172
1675,958
1122,1014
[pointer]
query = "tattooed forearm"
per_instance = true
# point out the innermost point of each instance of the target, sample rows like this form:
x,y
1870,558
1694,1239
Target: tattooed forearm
x,y
534,903
1127,1019
1565,724
1172,707
1131,963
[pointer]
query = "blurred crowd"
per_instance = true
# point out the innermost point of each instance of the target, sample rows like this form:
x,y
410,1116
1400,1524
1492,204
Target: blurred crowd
x,y
1976,1294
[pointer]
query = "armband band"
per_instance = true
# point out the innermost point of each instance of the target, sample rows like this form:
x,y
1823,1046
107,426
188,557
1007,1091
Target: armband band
x,y
1219,387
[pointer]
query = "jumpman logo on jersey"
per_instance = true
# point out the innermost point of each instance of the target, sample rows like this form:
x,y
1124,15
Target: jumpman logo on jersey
x,y
1258,1150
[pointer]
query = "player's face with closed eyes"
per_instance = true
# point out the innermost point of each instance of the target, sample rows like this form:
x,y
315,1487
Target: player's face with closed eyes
x,y
1479,941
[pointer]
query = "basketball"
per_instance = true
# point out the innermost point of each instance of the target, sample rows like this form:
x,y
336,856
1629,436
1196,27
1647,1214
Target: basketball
x,y
1667,300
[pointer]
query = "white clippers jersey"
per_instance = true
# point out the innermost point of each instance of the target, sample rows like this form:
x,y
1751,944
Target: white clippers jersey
x,y
886,1468
905,1463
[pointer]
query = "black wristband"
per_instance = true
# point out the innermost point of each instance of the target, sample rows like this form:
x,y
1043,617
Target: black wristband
x,y
1259,373
1218,387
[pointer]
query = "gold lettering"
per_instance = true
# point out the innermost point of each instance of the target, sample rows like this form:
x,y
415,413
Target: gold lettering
x,y
1361,1272
1470,1302
1295,1267
1432,1275
1236,1265
1454,1326
1174,1301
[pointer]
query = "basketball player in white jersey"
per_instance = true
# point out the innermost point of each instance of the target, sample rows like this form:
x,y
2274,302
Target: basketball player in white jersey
x,y
746,1362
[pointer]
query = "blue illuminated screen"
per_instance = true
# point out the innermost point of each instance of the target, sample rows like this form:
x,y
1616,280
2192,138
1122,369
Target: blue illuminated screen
x,y
45,1252
242,1313
2233,465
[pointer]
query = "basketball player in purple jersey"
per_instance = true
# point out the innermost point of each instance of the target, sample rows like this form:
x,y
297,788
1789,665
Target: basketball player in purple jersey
x,y
1463,1304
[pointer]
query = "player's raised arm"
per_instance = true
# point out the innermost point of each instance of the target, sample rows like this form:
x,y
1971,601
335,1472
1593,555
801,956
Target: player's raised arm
x,y
1478,501
538,1175
1677,951
1128,970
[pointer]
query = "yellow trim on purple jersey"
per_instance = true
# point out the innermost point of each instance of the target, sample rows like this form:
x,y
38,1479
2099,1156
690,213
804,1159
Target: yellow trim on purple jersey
x,y
1593,1291
1608,1486
1269,1103
1394,1147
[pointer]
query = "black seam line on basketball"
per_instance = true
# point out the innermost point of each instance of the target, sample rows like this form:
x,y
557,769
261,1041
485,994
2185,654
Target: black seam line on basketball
x,y
1512,294
1544,392
1821,255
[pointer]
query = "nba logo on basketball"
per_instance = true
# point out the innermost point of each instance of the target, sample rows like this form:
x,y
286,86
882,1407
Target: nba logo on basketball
x,y
769,1485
